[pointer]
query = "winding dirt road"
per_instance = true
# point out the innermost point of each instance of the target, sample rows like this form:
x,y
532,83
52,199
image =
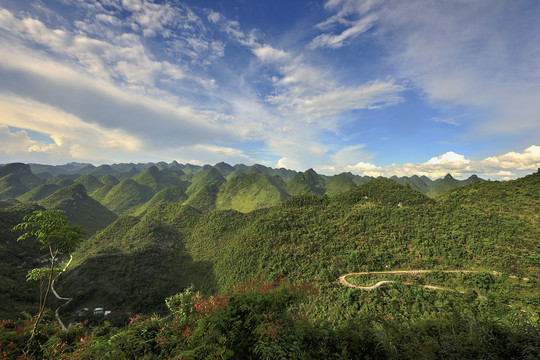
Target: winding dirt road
x,y
343,281
67,300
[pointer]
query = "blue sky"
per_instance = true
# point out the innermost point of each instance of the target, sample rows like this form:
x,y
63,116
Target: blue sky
x,y
372,87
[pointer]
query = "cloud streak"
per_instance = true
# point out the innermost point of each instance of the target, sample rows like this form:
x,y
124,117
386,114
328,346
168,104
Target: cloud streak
x,y
478,55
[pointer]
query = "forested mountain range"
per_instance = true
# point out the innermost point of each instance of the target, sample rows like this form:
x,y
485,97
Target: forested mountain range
x,y
276,242
129,189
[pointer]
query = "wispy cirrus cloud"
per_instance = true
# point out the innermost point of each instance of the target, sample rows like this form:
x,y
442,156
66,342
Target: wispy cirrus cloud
x,y
478,55
310,94
335,41
120,58
308,99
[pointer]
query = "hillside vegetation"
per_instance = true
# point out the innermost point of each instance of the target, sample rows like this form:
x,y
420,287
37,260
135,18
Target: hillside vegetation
x,y
377,226
209,262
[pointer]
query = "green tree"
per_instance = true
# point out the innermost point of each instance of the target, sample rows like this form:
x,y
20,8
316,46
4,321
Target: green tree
x,y
53,231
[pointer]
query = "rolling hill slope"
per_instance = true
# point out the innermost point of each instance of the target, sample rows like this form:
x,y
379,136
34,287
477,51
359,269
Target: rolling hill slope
x,y
248,192
307,182
90,183
38,193
380,225
126,197
81,209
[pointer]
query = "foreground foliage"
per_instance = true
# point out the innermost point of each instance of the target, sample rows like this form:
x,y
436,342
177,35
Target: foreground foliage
x,y
53,232
269,320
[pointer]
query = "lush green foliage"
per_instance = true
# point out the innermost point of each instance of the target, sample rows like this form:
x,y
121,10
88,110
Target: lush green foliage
x,y
39,192
53,232
90,183
308,182
271,320
179,238
81,209
17,259
248,192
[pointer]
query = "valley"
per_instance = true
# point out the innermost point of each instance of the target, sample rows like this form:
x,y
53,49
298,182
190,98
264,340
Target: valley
x,y
202,244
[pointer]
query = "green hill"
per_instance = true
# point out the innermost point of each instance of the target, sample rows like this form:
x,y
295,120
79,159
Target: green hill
x,y
56,169
204,199
11,186
204,178
7,203
248,192
126,197
23,172
269,279
423,184
16,179
190,169
173,194
103,170
137,272
238,169
87,170
108,182
338,184
63,178
90,183
441,185
307,182
434,188
225,169
38,193
158,180
284,174
81,209
517,200
128,174
380,225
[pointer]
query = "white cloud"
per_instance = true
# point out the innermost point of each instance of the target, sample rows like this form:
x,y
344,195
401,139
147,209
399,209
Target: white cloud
x,y
527,160
372,95
336,41
214,16
350,154
309,99
14,142
325,100
449,121
109,19
310,93
72,138
505,166
267,53
250,39
122,57
153,18
447,158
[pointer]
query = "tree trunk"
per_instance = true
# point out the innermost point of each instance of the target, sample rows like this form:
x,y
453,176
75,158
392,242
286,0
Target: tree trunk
x,y
42,307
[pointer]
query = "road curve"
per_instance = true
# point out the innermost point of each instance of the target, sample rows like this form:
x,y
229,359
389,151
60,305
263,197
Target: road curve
x,y
343,281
